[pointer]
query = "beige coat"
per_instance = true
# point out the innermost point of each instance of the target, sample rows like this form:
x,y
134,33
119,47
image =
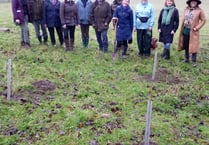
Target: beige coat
x,y
197,22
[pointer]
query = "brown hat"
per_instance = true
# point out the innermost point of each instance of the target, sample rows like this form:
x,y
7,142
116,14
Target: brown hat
x,y
198,1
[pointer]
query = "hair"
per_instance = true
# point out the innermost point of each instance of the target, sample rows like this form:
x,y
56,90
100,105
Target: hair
x,y
170,0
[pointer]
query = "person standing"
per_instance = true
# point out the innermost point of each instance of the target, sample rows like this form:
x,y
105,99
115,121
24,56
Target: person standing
x,y
123,16
168,23
193,20
22,15
144,17
51,19
100,19
38,21
114,5
70,19
84,9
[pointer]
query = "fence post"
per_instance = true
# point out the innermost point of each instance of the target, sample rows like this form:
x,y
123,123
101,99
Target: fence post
x,y
148,123
9,79
154,65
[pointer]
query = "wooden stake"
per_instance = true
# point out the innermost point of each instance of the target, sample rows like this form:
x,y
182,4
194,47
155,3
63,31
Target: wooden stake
x,y
154,66
148,123
9,79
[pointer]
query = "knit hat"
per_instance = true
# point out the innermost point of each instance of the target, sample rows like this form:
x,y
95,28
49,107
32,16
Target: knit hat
x,y
198,1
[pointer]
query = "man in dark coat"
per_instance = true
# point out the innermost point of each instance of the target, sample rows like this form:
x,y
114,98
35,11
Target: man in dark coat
x,y
168,23
22,14
100,18
51,17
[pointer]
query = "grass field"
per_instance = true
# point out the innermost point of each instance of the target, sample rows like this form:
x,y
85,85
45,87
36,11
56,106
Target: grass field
x,y
83,97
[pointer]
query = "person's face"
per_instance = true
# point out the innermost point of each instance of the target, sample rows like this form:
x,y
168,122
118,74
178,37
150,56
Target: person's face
x,y
169,3
125,2
193,4
144,1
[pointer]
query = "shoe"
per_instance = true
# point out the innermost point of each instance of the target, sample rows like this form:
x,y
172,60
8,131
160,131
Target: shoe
x,y
54,45
186,61
27,46
194,64
115,56
22,44
124,57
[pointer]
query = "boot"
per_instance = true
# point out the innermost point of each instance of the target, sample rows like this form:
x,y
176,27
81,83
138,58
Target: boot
x,y
87,42
45,40
84,41
67,45
167,54
163,54
39,40
194,59
71,44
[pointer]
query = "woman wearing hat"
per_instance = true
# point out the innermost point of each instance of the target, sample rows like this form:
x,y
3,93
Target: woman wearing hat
x,y
193,21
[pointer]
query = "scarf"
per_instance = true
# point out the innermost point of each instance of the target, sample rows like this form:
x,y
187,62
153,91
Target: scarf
x,y
167,14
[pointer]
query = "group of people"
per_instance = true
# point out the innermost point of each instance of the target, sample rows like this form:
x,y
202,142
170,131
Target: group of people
x,y
65,16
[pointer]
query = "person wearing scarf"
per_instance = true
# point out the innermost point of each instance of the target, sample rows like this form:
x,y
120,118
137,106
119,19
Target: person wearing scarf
x,y
168,23
193,20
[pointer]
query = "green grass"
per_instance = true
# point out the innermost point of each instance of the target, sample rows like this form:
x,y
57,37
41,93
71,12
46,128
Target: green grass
x,y
98,99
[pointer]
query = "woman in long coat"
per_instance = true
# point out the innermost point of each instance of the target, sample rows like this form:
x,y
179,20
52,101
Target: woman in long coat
x,y
193,20
124,27
168,23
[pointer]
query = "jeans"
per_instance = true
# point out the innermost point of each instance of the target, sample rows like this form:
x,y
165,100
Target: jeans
x,y
59,33
25,36
102,39
38,25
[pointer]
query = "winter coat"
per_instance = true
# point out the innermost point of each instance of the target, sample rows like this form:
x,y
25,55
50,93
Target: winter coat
x,y
100,14
51,14
198,20
69,14
125,23
38,9
18,11
84,12
165,35
114,5
142,11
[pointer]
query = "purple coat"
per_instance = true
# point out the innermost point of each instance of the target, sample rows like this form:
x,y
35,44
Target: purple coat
x,y
18,12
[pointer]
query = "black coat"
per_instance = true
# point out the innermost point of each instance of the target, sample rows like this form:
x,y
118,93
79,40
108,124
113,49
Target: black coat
x,y
165,35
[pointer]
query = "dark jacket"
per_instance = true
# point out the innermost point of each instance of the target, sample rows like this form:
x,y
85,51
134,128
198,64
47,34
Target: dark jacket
x,y
165,35
125,23
38,9
51,14
18,11
84,12
69,14
100,14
